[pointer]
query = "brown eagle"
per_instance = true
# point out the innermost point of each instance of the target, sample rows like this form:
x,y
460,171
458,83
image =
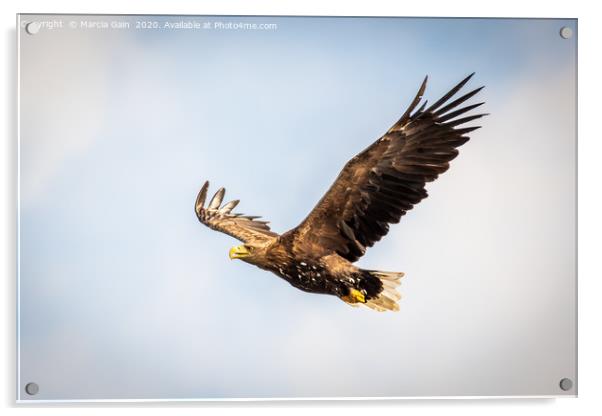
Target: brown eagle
x,y
373,190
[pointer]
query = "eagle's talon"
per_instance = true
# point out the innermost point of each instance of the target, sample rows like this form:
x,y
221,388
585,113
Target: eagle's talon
x,y
354,296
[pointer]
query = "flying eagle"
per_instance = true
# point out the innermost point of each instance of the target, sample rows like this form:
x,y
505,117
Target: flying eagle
x,y
373,190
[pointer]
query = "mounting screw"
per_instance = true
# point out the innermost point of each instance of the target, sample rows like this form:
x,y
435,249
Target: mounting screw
x,y
566,32
32,389
566,384
33,27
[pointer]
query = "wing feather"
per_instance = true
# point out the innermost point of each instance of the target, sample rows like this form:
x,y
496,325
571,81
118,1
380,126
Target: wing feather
x,y
245,228
379,185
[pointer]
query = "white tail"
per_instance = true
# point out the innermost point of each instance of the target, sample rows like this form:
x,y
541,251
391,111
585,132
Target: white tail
x,y
387,299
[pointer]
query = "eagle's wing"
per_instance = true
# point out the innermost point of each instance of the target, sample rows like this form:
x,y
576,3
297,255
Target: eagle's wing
x,y
387,179
245,228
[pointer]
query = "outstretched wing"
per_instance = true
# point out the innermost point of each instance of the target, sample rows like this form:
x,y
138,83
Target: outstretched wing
x,y
387,179
245,228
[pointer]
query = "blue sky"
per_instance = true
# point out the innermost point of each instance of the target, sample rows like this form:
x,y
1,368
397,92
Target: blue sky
x,y
123,294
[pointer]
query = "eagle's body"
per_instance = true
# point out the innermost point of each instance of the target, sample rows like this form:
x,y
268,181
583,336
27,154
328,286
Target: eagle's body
x,y
374,189
317,272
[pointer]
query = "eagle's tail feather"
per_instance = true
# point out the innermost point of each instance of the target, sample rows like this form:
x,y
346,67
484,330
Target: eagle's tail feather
x,y
386,299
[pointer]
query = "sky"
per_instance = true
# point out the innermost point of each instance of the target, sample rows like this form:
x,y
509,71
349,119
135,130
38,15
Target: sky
x,y
124,295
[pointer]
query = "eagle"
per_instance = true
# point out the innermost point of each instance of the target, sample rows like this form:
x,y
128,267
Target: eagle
x,y
374,189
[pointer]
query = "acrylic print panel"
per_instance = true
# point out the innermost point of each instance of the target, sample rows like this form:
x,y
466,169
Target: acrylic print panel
x,y
125,294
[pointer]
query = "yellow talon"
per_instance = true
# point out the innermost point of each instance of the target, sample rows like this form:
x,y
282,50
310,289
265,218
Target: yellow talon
x,y
354,296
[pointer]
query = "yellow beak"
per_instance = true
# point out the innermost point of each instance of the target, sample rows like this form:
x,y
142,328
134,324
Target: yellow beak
x,y
238,252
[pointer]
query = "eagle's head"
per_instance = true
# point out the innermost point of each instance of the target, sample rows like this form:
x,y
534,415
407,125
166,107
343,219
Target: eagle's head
x,y
249,253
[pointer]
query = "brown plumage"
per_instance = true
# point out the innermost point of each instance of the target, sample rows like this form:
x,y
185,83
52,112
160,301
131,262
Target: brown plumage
x,y
374,189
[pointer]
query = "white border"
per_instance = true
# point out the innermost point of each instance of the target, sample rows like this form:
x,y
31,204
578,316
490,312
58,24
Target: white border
x,y
18,237
294,399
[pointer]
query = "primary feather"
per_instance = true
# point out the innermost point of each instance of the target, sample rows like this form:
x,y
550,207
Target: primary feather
x,y
379,185
242,227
